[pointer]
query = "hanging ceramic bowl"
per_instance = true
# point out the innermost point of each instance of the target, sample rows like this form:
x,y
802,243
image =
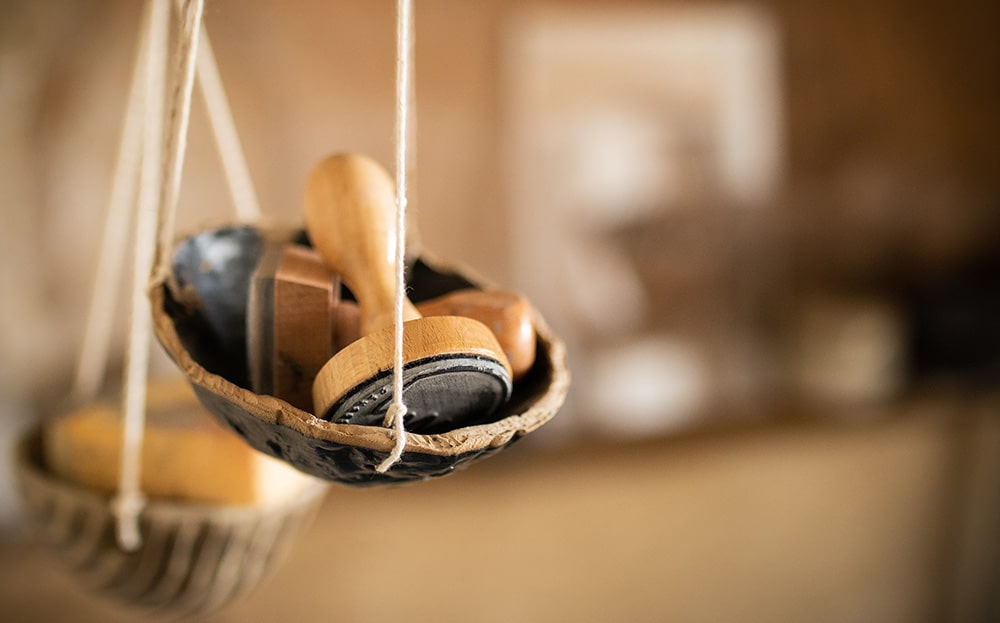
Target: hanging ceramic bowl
x,y
193,558
200,319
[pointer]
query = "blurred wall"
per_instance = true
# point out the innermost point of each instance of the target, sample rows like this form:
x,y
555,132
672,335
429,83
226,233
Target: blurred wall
x,y
891,140
902,92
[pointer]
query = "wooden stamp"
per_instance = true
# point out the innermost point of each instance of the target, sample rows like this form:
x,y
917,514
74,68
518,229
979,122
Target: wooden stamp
x,y
455,372
291,322
507,314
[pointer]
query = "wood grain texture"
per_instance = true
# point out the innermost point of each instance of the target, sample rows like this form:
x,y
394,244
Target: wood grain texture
x,y
291,322
304,277
349,203
305,303
507,314
464,350
292,295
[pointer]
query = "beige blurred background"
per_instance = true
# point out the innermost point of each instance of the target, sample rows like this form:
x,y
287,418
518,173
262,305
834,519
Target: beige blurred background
x,y
769,233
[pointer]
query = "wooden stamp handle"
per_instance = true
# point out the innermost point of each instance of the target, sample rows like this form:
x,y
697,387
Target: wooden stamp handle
x,y
349,205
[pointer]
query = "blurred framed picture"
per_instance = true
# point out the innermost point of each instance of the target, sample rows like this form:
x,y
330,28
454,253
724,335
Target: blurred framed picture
x,y
636,140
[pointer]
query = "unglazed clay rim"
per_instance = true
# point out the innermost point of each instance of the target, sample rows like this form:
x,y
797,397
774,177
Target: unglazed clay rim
x,y
459,441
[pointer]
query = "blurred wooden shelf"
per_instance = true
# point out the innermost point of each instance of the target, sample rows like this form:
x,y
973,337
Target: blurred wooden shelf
x,y
794,518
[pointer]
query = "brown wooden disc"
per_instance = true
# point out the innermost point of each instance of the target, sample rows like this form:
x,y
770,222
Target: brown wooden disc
x,y
445,380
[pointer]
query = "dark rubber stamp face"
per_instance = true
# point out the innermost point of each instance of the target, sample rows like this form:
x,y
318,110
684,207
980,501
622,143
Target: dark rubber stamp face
x,y
441,393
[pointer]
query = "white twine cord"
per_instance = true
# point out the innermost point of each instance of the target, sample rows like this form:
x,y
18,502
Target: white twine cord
x,y
220,119
93,360
404,52
159,184
161,173
179,118
129,501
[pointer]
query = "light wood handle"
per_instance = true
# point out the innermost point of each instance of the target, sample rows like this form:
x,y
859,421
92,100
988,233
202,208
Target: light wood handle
x,y
349,208
454,370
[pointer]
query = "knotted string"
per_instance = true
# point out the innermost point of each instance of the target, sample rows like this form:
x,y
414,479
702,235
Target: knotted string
x,y
157,165
158,190
92,362
404,53
129,502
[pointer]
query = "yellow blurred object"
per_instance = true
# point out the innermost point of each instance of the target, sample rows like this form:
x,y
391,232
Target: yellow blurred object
x,y
186,454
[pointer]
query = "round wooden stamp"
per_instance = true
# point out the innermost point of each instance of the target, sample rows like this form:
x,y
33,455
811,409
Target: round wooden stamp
x,y
455,371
